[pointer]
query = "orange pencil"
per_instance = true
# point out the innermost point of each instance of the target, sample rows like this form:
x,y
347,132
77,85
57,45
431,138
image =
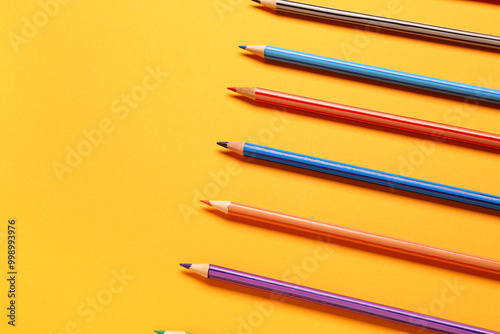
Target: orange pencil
x,y
357,236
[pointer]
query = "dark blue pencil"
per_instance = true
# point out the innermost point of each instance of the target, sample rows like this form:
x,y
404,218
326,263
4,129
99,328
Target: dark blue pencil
x,y
364,174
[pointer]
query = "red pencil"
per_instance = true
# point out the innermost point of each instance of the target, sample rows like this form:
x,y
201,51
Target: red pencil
x,y
437,130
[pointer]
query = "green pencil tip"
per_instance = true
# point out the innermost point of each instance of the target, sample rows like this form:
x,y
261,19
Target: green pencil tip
x,y
160,332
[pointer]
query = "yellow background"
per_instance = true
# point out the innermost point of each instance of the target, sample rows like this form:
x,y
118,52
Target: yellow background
x,y
129,207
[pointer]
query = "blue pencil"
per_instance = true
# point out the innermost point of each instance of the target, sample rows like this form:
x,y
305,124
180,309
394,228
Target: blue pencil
x,y
375,73
364,174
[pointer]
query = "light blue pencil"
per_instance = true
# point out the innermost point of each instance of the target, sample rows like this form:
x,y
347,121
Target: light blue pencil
x,y
375,73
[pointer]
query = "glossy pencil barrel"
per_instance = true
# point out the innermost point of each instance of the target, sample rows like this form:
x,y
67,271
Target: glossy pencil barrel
x,y
365,238
372,176
420,29
436,130
382,74
342,302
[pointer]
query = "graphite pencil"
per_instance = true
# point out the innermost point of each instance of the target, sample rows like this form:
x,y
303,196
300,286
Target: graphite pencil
x,y
334,300
379,22
364,174
437,131
357,236
471,92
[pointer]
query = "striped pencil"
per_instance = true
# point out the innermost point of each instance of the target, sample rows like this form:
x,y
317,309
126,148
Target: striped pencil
x,y
334,300
375,73
364,174
379,22
436,130
357,236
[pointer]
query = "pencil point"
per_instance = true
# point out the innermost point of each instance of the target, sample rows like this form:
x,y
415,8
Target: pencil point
x,y
243,47
160,332
232,88
257,1
222,143
185,265
206,202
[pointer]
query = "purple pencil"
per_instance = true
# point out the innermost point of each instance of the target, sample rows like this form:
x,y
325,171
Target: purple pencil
x,y
334,300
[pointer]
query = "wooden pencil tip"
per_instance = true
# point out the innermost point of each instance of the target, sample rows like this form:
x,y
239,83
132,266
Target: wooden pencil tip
x,y
222,143
232,88
206,202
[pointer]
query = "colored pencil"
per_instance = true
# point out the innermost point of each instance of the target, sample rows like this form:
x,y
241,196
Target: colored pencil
x,y
334,300
172,332
364,174
379,22
375,73
357,236
438,131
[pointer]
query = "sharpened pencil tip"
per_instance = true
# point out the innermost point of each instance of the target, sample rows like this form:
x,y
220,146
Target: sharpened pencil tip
x,y
257,1
244,47
185,265
160,332
222,143
232,88
206,202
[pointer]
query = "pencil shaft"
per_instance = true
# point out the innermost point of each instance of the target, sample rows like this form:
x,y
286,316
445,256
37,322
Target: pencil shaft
x,y
366,238
342,302
371,176
421,29
382,74
437,131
